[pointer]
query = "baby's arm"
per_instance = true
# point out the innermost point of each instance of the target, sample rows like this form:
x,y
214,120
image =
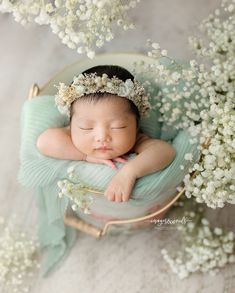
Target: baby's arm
x,y
152,155
57,143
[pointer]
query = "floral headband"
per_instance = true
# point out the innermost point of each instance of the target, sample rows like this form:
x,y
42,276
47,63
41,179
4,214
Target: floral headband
x,y
85,84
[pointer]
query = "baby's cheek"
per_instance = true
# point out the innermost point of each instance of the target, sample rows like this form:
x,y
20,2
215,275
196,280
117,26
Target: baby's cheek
x,y
131,139
80,143
128,142
86,146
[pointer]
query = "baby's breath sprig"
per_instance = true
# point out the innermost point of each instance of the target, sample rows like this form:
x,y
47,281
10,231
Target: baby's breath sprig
x,y
77,191
180,98
206,249
19,261
200,97
202,248
214,183
80,24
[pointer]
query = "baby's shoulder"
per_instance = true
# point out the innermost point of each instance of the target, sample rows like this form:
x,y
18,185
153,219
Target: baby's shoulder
x,y
140,141
142,137
66,130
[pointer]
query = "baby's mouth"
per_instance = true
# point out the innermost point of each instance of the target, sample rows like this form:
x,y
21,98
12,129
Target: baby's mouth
x,y
103,148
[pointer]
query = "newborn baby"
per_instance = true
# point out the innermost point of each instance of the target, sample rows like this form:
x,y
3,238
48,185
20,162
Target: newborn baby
x,y
104,128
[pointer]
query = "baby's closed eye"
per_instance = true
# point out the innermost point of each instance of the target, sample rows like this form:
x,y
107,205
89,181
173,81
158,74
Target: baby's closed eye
x,y
86,128
118,127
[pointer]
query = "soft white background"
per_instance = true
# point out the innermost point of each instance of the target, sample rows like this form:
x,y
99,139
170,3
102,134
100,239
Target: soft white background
x,y
121,264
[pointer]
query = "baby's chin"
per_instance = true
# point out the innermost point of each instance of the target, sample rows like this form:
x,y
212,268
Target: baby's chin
x,y
106,155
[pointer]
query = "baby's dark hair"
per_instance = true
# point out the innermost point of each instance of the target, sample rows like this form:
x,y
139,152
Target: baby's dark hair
x,y
111,71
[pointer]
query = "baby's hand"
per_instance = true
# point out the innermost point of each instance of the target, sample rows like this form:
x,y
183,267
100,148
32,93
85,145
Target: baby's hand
x,y
120,187
109,162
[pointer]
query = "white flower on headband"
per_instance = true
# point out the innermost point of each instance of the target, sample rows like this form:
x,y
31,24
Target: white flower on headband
x,y
85,84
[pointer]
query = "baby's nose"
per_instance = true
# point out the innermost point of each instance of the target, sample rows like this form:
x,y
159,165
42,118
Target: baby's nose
x,y
103,135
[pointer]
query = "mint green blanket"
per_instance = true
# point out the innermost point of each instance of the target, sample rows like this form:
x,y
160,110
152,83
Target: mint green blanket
x,y
42,174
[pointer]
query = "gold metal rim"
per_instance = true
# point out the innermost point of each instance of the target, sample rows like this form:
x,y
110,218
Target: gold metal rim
x,y
83,226
34,91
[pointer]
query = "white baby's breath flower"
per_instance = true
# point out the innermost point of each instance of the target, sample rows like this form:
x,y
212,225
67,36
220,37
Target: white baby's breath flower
x,y
155,46
230,8
203,249
18,258
188,157
164,53
76,191
217,125
81,25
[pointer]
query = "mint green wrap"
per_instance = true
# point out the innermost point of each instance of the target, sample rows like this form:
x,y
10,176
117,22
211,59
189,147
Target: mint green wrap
x,y
42,174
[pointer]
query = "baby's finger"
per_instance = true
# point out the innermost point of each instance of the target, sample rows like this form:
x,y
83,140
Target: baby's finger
x,y
120,159
110,195
110,163
118,196
126,193
125,197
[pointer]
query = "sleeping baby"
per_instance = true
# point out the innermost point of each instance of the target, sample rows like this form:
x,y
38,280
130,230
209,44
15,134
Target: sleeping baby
x,y
105,104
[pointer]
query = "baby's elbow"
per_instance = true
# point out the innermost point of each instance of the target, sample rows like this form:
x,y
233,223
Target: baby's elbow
x,y
41,144
170,152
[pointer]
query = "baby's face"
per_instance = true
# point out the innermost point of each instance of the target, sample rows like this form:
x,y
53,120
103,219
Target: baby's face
x,y
103,129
